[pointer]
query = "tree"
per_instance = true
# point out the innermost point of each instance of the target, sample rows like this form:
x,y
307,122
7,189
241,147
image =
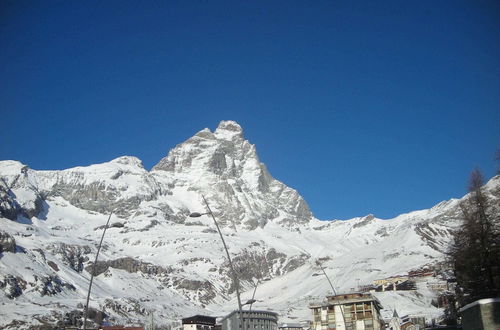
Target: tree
x,y
475,250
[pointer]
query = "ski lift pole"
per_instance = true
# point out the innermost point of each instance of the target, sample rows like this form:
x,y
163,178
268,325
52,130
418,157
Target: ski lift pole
x,y
86,312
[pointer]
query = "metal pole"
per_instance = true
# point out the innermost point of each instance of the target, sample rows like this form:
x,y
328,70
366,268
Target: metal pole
x,y
335,293
253,295
235,277
331,285
92,275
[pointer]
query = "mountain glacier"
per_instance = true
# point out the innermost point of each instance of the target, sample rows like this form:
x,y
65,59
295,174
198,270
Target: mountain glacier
x,y
156,259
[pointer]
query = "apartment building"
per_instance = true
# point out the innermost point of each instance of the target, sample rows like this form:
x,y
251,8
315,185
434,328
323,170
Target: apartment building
x,y
353,311
252,320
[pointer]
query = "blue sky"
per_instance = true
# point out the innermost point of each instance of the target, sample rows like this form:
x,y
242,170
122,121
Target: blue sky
x,y
363,107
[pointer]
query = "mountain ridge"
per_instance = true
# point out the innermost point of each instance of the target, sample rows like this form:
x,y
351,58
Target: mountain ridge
x,y
157,258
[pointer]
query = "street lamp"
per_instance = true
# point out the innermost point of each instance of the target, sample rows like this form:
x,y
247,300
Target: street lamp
x,y
86,312
233,273
334,292
324,273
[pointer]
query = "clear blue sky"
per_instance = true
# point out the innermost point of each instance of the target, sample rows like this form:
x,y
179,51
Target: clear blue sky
x,y
363,107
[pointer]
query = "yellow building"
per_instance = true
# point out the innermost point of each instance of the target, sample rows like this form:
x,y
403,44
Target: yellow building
x,y
390,280
353,311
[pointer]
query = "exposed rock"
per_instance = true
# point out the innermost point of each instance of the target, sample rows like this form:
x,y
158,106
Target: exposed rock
x,y
11,206
113,225
96,196
382,232
7,243
12,286
53,265
206,291
74,318
260,264
51,285
124,307
106,188
236,177
151,224
434,235
295,262
364,221
72,255
130,265
8,205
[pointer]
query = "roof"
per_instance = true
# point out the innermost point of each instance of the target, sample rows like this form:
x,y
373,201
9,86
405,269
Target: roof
x,y
199,319
247,312
348,298
480,302
290,325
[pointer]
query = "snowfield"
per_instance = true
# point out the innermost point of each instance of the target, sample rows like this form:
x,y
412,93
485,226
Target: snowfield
x,y
155,258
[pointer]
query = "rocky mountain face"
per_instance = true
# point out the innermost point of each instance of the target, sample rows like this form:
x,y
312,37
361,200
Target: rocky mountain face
x,y
240,185
157,259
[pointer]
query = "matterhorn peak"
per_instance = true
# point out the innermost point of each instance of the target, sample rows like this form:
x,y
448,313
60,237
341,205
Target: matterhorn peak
x,y
216,151
229,130
223,161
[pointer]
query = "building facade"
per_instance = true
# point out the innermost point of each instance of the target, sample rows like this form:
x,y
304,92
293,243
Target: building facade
x,y
252,320
290,326
353,311
198,322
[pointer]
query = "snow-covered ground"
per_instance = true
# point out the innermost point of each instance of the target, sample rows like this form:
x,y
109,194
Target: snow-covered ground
x,y
159,259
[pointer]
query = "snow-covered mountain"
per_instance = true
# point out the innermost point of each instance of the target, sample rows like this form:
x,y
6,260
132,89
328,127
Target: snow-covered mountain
x,y
155,258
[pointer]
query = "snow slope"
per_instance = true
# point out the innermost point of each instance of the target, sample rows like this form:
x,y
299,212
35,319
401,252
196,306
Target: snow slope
x,y
157,259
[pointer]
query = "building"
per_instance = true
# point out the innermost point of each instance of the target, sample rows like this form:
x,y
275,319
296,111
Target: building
x,y
120,327
390,280
412,322
353,311
394,283
438,285
253,320
198,322
481,314
290,326
395,322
